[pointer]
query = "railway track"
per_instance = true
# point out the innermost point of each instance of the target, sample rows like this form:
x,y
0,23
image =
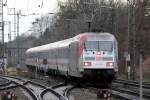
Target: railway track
x,y
130,89
125,90
132,83
122,93
115,92
18,83
3,81
35,90
127,94
5,84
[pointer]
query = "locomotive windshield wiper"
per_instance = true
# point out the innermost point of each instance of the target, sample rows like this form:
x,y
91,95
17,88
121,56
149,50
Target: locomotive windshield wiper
x,y
85,47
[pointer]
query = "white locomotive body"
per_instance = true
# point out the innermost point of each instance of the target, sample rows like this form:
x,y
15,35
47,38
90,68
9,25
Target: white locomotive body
x,y
93,55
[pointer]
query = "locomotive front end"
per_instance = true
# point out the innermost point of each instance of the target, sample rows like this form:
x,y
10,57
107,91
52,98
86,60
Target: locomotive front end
x,y
99,58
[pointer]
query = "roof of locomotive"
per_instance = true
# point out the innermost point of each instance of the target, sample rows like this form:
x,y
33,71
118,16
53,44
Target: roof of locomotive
x,y
66,42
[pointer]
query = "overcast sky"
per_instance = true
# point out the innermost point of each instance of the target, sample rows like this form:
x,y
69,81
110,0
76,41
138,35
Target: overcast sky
x,y
27,7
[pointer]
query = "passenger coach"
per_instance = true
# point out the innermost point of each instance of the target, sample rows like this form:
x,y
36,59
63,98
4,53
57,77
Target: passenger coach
x,y
88,55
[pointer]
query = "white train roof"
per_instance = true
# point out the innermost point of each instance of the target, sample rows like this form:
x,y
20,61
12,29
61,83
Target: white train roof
x,y
66,42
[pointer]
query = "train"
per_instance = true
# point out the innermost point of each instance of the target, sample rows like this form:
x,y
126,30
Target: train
x,y
89,55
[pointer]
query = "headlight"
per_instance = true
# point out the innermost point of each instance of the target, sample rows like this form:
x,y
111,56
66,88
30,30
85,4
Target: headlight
x,y
110,64
87,63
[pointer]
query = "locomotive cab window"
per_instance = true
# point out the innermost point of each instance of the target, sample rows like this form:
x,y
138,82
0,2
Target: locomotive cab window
x,y
91,45
99,45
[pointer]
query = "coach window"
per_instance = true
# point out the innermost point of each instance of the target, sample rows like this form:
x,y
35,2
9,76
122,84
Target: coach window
x,y
53,53
46,54
50,54
40,55
59,53
65,53
34,55
62,53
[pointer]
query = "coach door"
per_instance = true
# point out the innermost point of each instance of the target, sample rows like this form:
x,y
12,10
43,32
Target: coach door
x,y
73,70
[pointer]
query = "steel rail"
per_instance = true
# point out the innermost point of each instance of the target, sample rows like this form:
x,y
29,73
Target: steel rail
x,y
130,92
61,97
47,89
34,97
6,84
9,87
66,93
58,85
132,83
